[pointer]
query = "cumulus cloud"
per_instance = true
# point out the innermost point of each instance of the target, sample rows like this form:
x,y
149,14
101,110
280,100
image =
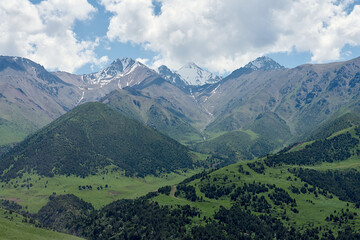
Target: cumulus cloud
x,y
223,35
44,33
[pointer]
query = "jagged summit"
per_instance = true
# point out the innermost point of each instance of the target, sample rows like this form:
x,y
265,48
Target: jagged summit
x,y
164,70
122,64
263,63
171,76
119,67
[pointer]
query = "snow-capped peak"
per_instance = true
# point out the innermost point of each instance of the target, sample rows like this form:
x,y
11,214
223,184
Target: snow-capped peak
x,y
189,74
263,63
192,74
117,68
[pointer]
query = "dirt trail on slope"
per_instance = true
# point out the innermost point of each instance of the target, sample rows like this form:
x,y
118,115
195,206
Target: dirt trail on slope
x,y
298,144
12,199
172,192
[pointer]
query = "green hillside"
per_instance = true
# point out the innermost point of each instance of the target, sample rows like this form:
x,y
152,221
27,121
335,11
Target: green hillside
x,y
10,133
271,127
334,124
90,137
318,193
235,144
159,114
265,134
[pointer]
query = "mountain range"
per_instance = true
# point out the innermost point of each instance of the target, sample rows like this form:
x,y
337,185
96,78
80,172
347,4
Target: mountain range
x,y
190,105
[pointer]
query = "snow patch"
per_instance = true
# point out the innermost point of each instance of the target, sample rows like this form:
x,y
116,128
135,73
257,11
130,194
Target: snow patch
x,y
214,91
82,96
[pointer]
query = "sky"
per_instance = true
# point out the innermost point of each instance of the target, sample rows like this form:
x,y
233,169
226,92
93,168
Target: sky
x,y
83,36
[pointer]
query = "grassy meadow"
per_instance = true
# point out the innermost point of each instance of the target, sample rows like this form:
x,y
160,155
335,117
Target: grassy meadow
x,y
32,191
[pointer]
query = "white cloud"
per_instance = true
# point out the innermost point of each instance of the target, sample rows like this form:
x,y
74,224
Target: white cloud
x,y
143,60
223,35
44,33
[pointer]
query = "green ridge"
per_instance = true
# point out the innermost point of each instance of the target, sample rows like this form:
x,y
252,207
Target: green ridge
x,y
90,137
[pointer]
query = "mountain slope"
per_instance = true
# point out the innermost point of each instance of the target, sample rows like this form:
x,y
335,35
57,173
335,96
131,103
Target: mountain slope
x,y
271,127
30,97
303,97
156,113
332,125
91,137
181,100
173,109
235,144
125,74
265,134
